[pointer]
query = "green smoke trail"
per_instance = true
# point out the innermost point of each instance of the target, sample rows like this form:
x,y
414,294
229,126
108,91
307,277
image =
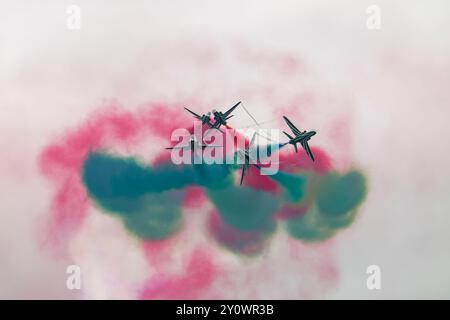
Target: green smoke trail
x,y
148,199
336,199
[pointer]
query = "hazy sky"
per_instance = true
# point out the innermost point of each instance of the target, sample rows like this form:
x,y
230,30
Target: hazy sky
x,y
392,83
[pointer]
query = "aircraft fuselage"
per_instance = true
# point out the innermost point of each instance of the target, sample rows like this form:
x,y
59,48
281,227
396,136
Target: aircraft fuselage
x,y
304,136
219,119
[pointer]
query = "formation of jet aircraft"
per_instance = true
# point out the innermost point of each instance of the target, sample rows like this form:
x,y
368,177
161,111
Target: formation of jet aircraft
x,y
216,119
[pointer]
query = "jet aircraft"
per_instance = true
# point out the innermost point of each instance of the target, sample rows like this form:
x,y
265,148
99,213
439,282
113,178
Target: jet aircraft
x,y
248,160
220,119
301,137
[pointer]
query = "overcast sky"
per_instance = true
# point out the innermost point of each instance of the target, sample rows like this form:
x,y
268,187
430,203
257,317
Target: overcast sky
x,y
391,84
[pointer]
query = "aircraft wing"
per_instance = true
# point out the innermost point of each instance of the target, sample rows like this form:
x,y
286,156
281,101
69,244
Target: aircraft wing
x,y
241,154
288,135
210,146
308,151
252,141
229,111
243,173
172,148
194,114
258,167
291,125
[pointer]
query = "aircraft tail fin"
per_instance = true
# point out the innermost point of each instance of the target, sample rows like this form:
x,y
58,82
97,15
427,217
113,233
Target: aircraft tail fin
x,y
193,113
288,135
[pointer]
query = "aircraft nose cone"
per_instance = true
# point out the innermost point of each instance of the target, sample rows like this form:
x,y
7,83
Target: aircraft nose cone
x,y
313,133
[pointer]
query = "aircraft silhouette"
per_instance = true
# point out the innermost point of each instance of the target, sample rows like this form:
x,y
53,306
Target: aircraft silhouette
x,y
193,144
248,160
220,119
300,137
205,118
